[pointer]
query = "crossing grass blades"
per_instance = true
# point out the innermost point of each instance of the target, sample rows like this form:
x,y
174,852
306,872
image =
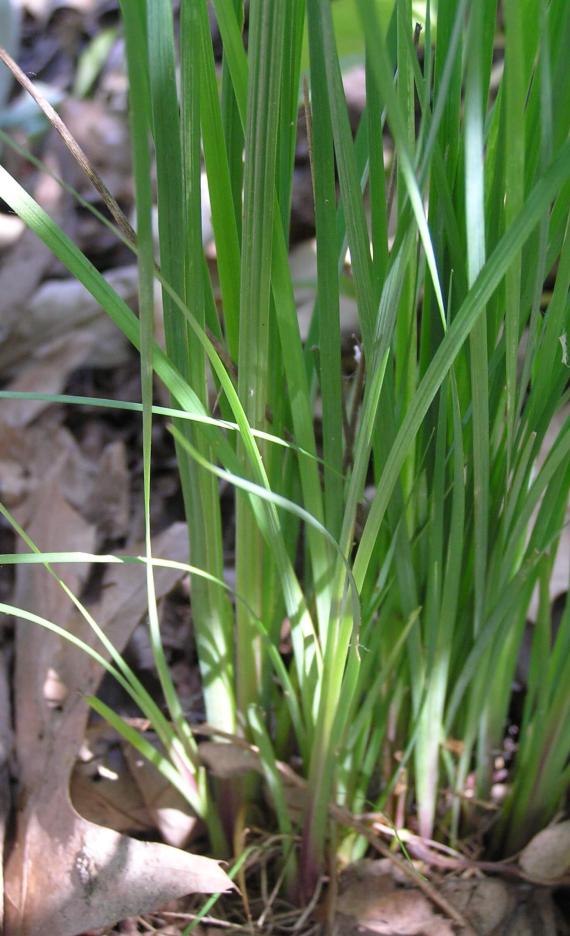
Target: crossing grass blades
x,y
404,632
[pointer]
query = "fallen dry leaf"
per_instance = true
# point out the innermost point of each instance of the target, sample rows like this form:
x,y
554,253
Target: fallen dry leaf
x,y
94,876
59,308
109,500
15,477
371,902
104,792
11,230
546,858
32,456
26,263
169,810
5,748
488,902
46,372
54,525
226,760
503,908
104,138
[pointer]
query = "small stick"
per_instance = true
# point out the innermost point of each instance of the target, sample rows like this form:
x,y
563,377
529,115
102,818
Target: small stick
x,y
406,868
344,817
72,145
96,180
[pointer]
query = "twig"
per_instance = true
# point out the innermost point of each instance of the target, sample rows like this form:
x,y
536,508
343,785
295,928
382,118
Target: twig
x,y
404,867
346,819
310,906
208,920
72,145
113,207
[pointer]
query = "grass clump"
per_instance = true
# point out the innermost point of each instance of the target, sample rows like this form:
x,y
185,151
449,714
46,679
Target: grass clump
x,y
404,630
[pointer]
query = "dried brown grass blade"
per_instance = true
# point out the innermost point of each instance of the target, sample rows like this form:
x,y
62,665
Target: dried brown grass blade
x,y
72,145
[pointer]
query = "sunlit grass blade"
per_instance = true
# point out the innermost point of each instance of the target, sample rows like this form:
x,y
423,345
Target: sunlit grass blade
x,y
536,205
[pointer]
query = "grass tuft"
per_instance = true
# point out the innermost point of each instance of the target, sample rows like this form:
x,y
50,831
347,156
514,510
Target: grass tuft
x,y
406,624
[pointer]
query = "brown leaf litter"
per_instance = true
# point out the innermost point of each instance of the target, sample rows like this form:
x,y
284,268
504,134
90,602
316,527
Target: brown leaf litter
x,y
374,899
546,858
64,873
5,752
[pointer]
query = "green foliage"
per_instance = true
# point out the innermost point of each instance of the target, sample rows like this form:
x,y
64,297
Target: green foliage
x,y
405,631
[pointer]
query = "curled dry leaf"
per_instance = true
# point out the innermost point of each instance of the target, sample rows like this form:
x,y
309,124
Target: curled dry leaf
x,y
546,858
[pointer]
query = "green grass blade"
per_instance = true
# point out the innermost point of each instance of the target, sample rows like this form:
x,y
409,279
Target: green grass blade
x,y
536,205
328,301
